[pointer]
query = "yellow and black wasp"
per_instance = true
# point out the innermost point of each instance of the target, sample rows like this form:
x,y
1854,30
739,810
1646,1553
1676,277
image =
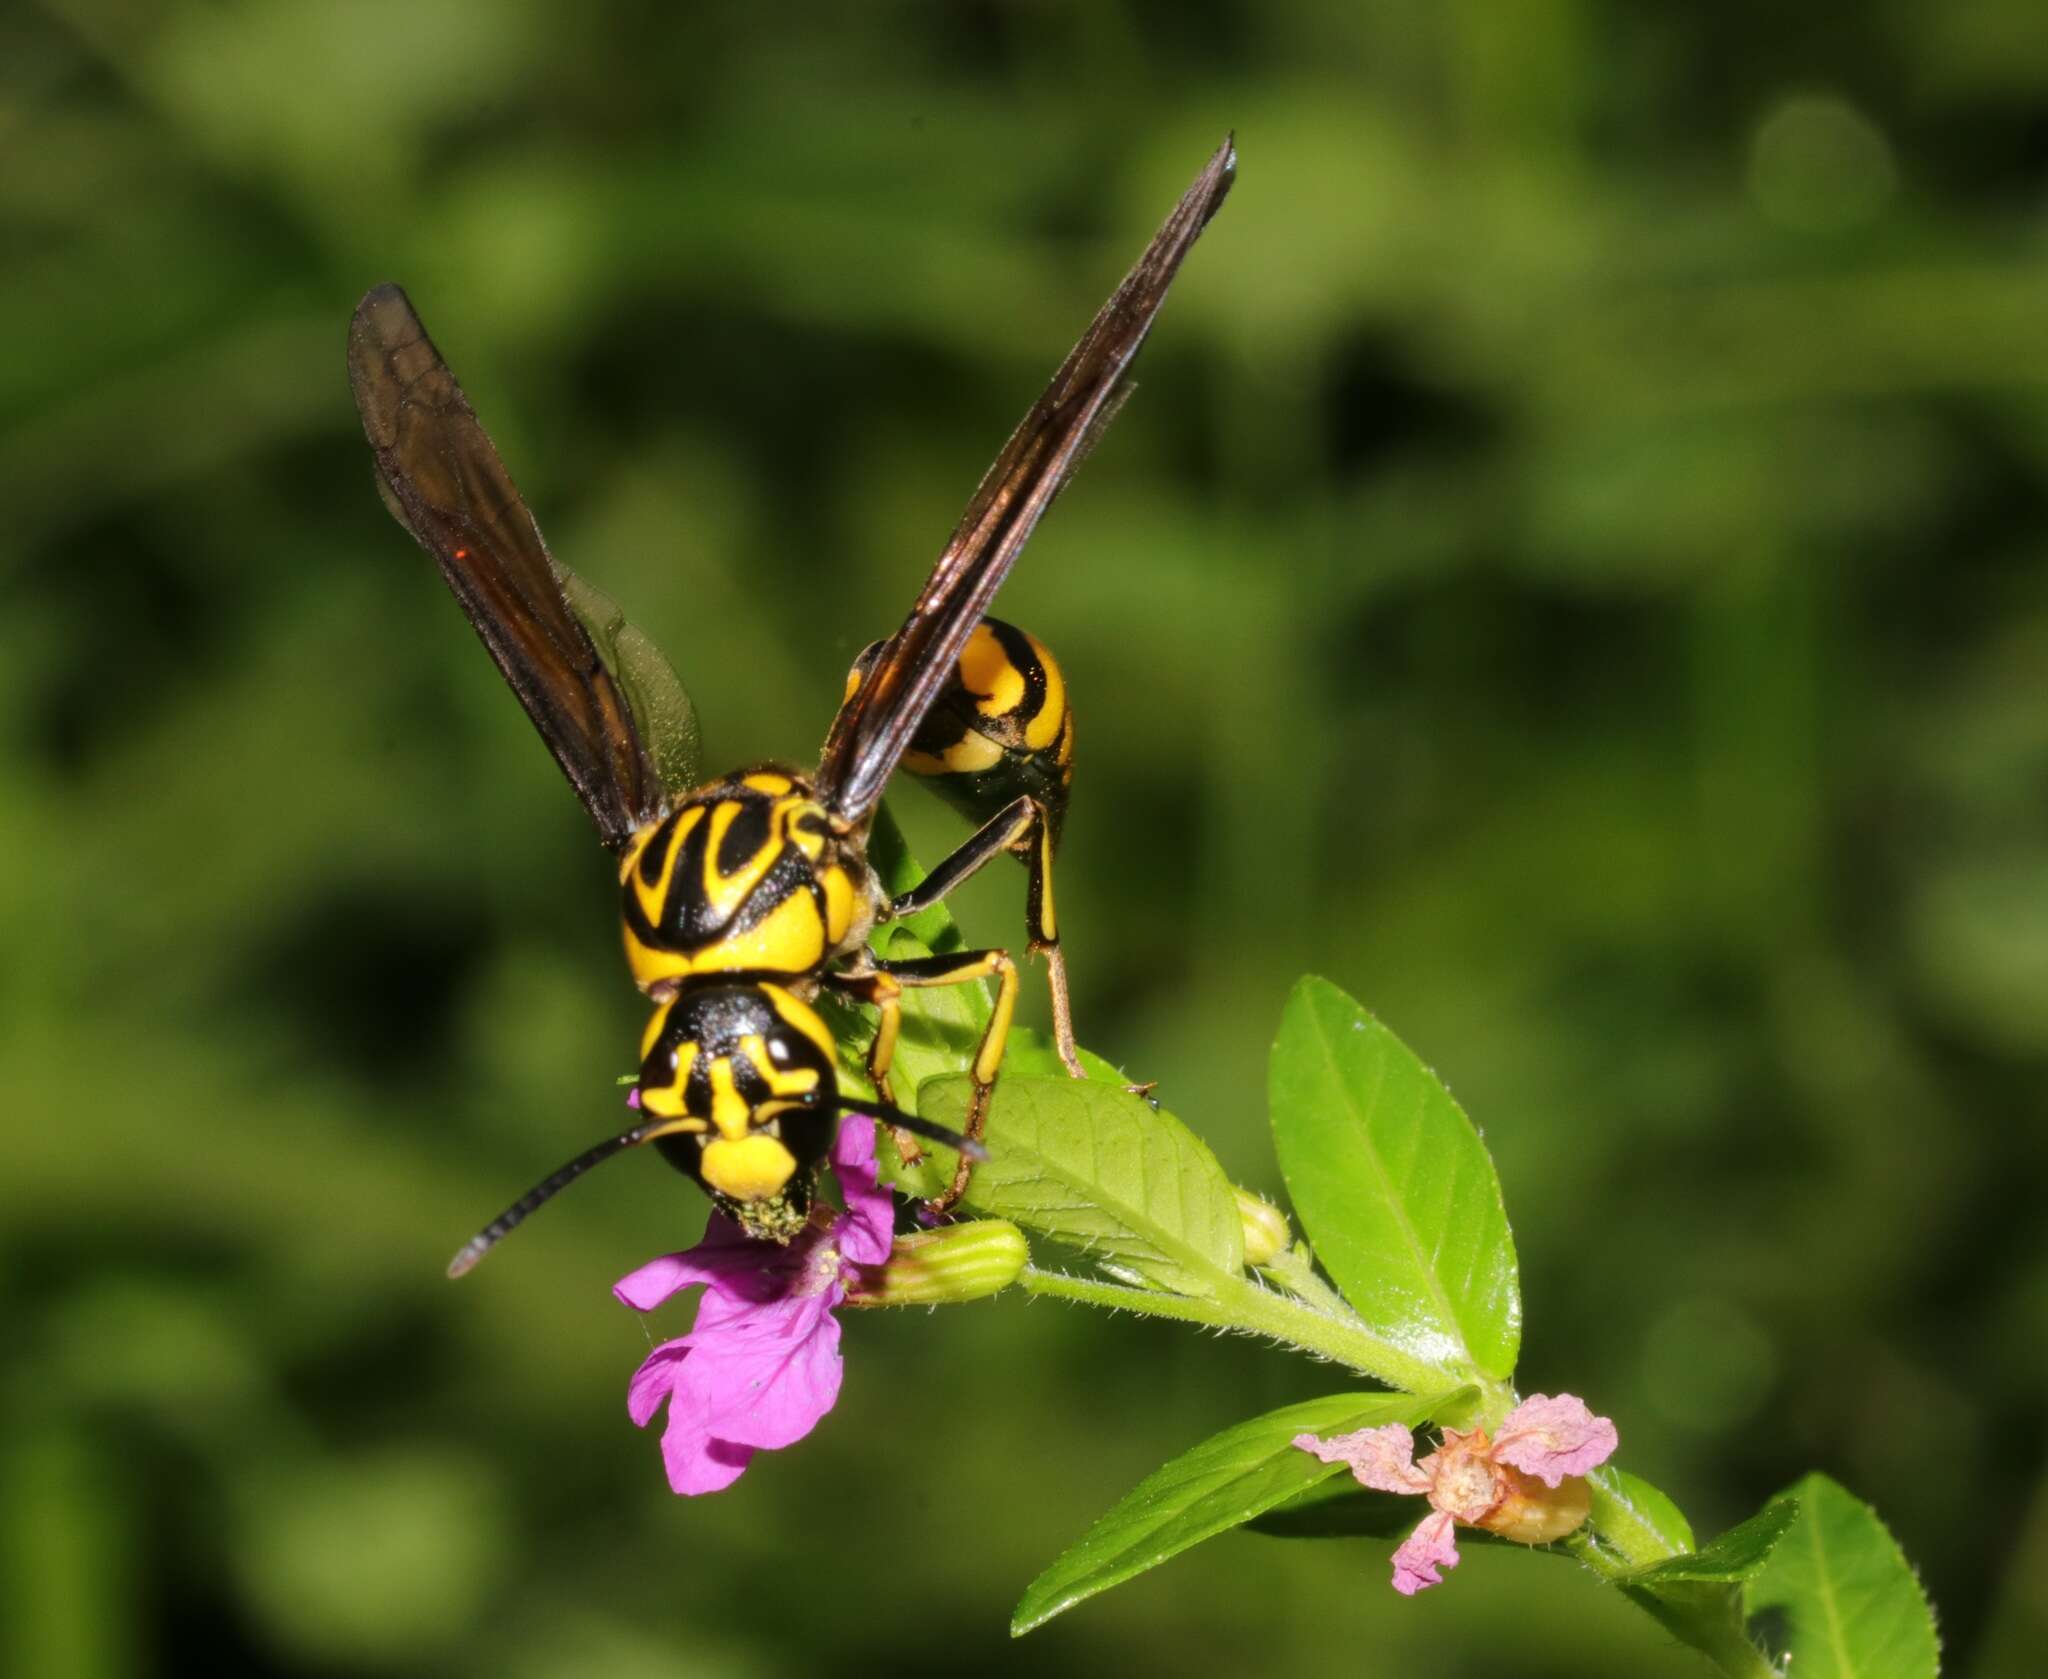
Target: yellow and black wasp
x,y
744,897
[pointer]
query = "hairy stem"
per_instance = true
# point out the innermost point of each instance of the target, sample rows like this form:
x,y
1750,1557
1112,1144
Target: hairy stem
x,y
1242,1305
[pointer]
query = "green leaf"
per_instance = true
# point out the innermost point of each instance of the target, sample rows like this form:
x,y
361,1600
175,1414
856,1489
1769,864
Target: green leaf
x,y
1731,1558
1226,1480
1634,1519
1393,1186
1837,1598
1103,1171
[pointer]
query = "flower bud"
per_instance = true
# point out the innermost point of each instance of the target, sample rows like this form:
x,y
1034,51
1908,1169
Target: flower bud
x,y
941,1267
1530,1513
1266,1233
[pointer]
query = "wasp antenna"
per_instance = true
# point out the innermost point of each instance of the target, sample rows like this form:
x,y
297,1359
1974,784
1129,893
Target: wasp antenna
x,y
925,1128
538,1196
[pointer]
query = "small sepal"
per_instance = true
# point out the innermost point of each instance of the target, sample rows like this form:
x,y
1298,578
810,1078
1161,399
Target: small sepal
x,y
945,1266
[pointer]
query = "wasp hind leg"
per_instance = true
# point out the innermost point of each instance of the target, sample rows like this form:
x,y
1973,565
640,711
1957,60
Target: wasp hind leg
x,y
1022,829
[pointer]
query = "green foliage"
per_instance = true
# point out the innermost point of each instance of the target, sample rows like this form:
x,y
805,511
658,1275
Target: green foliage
x,y
1104,1173
1227,1480
1837,1599
1732,1557
1570,572
1393,1187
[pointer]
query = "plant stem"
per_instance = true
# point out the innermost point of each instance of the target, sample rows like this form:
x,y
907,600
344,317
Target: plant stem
x,y
1295,1271
1242,1305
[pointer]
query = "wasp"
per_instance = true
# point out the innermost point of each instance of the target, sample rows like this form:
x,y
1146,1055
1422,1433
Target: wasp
x,y
744,897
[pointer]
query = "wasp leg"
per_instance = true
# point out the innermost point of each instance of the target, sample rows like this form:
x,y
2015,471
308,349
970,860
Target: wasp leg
x,y
867,984
1020,828
960,968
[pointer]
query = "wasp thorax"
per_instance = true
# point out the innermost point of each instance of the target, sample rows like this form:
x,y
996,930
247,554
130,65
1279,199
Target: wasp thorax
x,y
744,1077
748,875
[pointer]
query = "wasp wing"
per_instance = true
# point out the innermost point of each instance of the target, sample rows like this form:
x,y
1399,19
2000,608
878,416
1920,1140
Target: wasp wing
x,y
875,724
442,479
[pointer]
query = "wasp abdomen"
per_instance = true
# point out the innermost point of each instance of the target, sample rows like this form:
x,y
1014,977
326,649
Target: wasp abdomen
x,y
1000,728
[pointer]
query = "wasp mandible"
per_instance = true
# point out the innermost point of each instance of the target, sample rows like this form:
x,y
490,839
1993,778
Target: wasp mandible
x,y
744,897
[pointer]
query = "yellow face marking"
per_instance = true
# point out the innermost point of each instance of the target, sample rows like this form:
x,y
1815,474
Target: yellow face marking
x,y
729,1110
667,1100
750,1168
1043,729
783,1081
805,1019
986,671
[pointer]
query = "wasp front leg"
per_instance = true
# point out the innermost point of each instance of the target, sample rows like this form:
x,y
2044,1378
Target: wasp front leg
x,y
1024,829
868,984
959,968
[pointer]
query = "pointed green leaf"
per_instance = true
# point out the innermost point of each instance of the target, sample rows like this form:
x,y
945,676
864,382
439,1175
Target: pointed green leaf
x,y
1732,1557
1393,1186
1837,1597
1635,1520
1102,1171
1226,1480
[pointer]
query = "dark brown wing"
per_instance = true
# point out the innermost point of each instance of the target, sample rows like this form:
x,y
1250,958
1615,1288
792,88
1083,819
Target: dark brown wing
x,y
874,727
443,480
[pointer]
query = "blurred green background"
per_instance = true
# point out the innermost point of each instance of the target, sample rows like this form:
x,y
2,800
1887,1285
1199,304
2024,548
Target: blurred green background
x,y
1573,572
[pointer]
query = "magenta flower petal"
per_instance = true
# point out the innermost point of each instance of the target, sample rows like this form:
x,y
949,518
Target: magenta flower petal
x,y
1554,1438
866,1232
1432,1546
653,1380
761,1364
727,1259
1382,1458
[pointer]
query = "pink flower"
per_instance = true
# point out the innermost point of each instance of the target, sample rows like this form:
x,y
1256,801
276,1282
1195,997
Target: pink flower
x,y
761,1364
1522,1484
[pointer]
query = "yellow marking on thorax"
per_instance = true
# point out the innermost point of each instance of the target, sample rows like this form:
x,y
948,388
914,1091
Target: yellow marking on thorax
x,y
839,904
986,671
807,837
651,898
789,939
768,781
1044,728
726,892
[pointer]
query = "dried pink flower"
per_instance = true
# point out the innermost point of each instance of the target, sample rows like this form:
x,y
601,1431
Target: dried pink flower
x,y
761,1364
1523,1483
